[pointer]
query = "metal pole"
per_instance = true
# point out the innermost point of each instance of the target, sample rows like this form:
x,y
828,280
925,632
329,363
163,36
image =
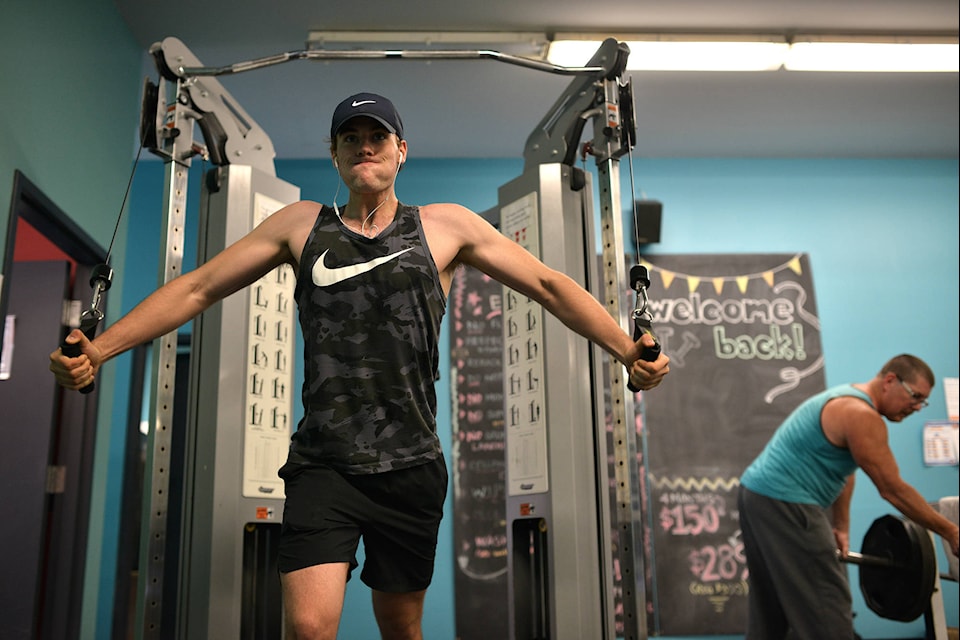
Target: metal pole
x,y
608,146
156,478
629,532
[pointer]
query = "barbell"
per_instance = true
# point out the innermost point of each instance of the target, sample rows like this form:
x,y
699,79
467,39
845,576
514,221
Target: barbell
x,y
898,567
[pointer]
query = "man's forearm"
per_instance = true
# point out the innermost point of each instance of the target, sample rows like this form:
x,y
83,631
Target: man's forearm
x,y
582,313
163,311
910,503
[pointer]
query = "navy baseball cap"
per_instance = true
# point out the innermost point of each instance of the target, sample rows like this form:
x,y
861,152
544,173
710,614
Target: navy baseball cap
x,y
370,105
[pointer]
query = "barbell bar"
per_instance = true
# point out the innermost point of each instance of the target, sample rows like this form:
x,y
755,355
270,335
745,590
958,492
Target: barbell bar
x,y
853,557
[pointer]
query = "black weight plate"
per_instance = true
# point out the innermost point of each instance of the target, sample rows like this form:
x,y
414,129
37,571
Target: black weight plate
x,y
900,592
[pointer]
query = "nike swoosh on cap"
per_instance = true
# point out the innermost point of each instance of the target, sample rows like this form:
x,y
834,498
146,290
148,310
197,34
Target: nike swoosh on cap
x,y
324,276
358,103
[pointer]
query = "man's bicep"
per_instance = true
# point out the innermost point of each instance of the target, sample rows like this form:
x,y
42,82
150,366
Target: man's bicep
x,y
509,263
240,264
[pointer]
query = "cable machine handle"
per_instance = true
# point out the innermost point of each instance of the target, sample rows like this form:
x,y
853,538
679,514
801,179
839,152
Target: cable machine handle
x,y
100,280
642,326
88,324
642,321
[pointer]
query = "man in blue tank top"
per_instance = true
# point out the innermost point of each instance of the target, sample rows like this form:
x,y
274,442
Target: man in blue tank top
x,y
372,282
794,501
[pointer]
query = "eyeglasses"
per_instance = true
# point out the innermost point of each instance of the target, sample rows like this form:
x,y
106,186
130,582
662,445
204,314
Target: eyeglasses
x,y
918,399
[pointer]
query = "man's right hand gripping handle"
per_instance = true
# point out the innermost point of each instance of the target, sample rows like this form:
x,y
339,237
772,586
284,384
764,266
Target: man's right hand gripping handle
x,y
88,325
641,317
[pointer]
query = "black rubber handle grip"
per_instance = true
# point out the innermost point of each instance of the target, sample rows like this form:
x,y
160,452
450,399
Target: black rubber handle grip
x,y
88,324
642,326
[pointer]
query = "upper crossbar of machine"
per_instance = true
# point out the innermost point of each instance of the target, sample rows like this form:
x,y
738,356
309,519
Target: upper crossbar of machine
x,y
595,93
323,54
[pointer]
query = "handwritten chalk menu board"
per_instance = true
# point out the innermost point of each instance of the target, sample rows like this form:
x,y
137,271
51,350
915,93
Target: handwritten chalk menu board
x,y
743,336
478,461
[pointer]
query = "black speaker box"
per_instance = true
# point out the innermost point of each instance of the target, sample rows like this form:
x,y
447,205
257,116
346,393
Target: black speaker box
x,y
648,214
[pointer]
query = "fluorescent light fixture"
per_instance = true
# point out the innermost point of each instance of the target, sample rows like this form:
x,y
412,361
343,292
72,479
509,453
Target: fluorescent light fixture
x,y
930,57
525,43
697,54
706,56
676,52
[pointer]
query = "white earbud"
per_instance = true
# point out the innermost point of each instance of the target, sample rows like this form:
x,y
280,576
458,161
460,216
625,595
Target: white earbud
x,y
335,163
401,158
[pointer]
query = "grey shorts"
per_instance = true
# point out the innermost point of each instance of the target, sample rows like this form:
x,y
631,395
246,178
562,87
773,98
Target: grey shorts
x,y
397,514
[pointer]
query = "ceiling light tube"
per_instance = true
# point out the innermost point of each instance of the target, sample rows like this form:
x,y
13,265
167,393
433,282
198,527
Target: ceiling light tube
x,y
530,43
690,52
706,56
868,57
669,52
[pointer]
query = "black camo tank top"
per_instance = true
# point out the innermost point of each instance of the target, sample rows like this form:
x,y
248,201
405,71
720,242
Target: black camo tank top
x,y
370,310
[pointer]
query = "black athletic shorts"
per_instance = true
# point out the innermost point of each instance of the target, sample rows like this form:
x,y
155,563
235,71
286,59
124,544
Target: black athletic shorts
x,y
397,513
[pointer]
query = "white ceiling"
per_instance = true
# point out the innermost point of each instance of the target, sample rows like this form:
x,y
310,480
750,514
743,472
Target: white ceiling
x,y
484,108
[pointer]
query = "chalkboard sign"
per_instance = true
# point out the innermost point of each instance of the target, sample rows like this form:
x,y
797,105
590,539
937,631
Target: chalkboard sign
x,y
743,336
478,461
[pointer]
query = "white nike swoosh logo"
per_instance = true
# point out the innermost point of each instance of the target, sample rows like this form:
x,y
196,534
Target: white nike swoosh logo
x,y
324,276
357,104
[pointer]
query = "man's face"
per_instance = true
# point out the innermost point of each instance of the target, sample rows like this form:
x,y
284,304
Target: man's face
x,y
367,155
906,397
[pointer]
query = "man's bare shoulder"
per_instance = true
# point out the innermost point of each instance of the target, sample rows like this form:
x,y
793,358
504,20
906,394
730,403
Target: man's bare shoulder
x,y
850,407
449,229
447,218
454,218
292,217
847,418
301,209
288,227
445,210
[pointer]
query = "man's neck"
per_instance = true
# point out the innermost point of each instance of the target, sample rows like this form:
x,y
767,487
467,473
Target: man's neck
x,y
369,219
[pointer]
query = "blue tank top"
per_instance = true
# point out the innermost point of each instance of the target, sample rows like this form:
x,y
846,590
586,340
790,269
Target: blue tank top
x,y
799,464
370,310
